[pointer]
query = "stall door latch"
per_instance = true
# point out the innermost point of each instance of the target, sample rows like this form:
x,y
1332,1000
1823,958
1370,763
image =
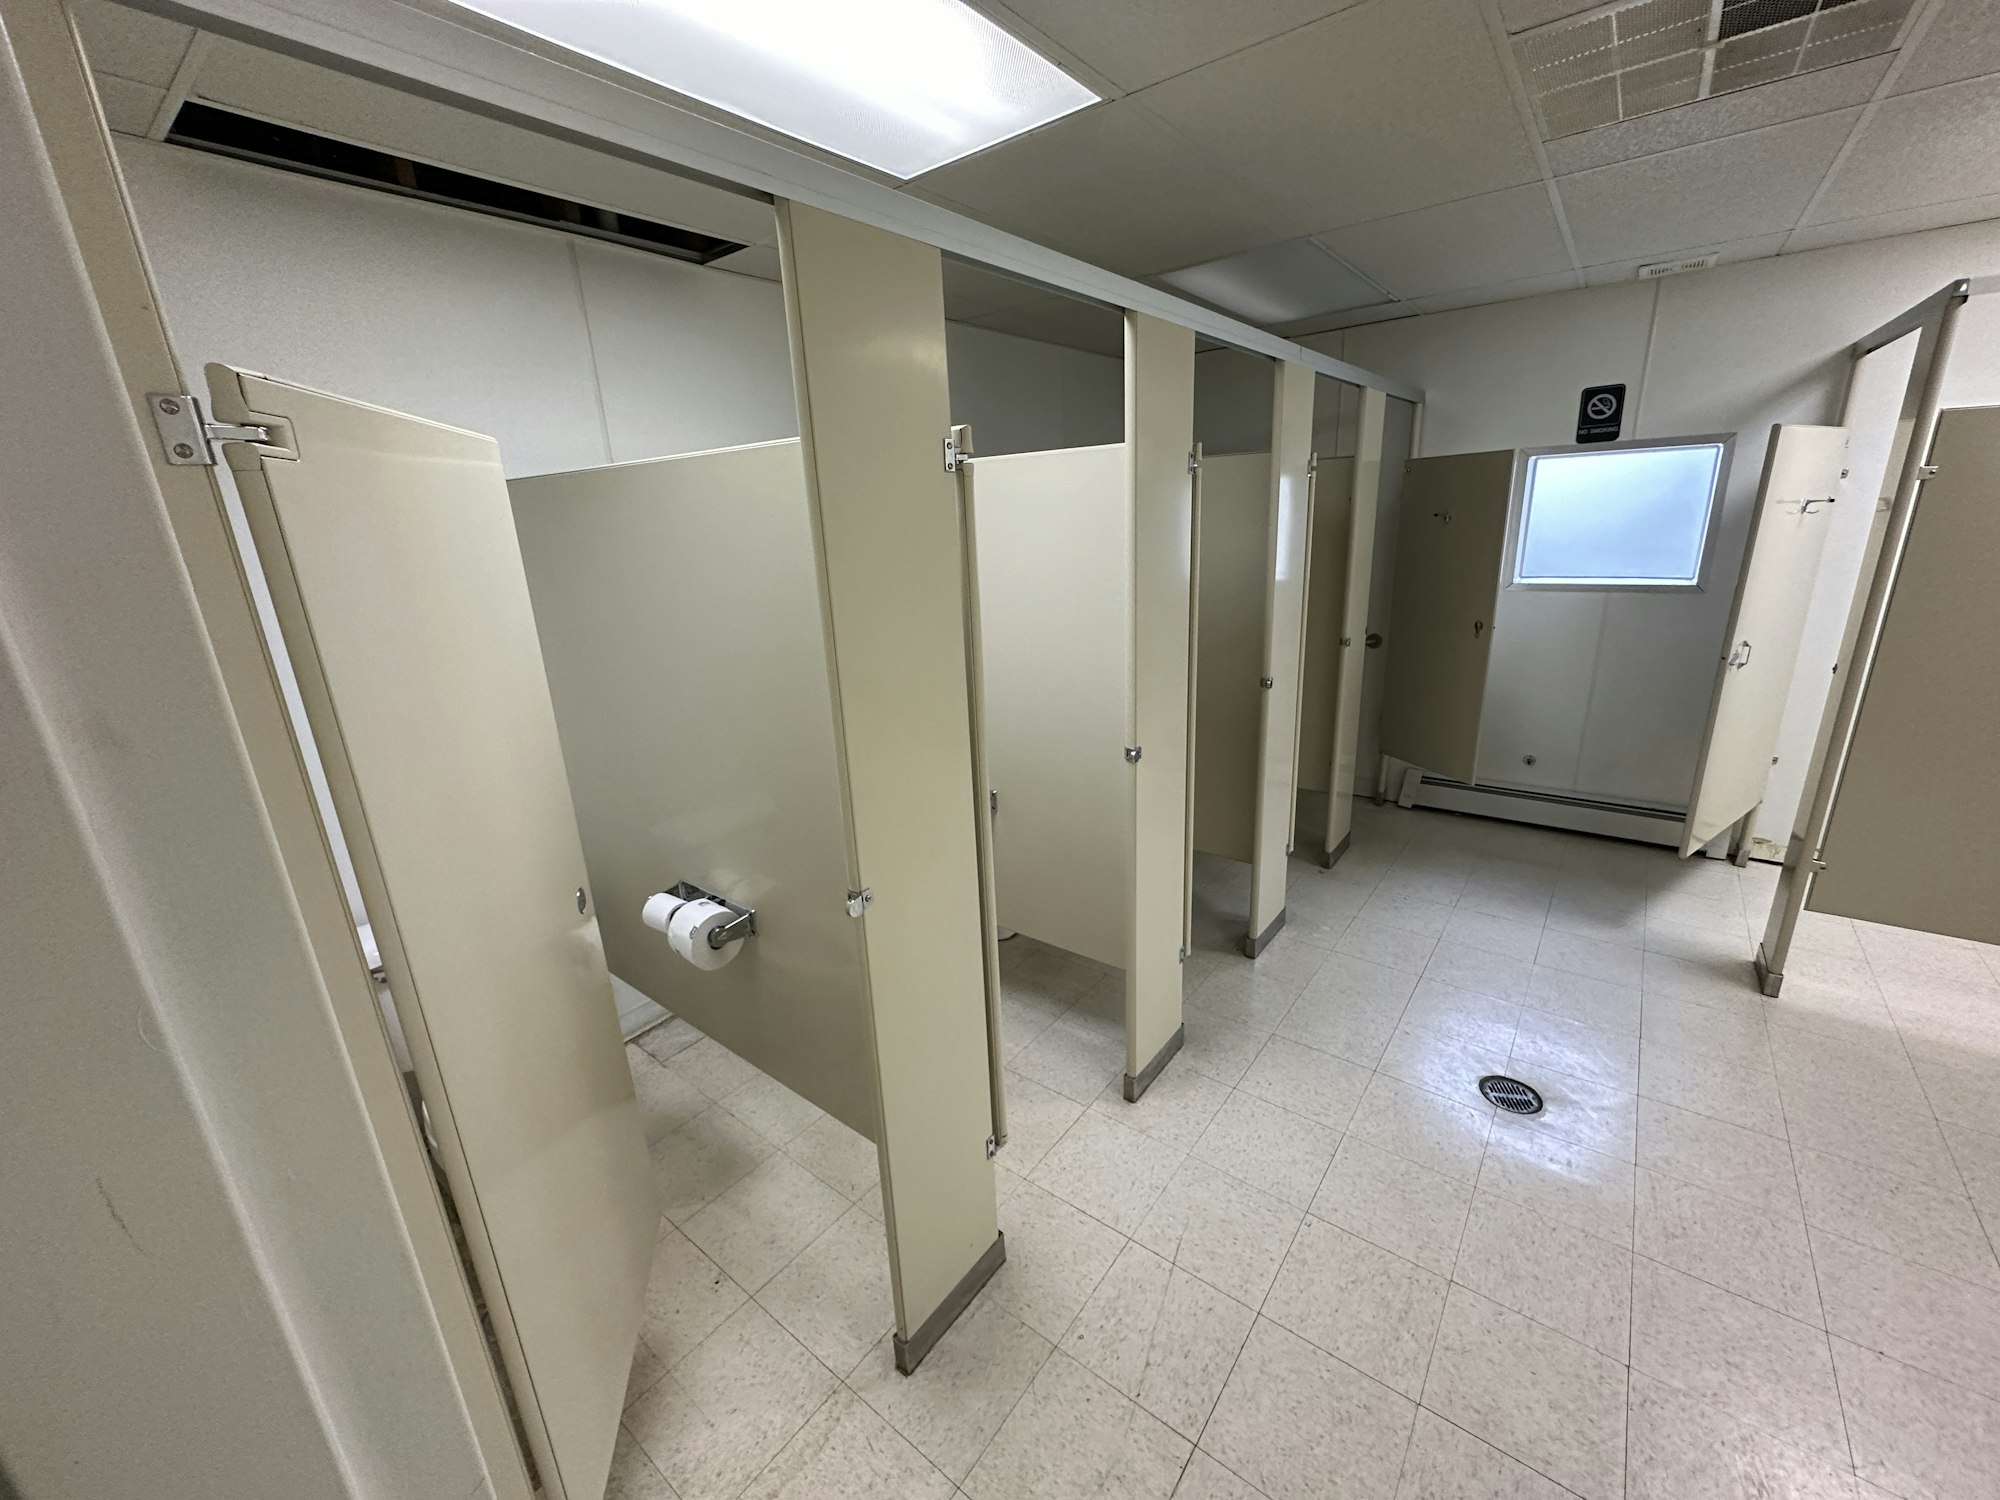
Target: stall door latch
x,y
187,436
1132,754
859,902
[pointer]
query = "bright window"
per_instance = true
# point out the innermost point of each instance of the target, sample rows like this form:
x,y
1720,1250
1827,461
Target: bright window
x,y
1618,517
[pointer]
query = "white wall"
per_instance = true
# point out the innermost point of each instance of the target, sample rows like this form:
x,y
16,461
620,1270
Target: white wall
x,y
1611,694
1024,396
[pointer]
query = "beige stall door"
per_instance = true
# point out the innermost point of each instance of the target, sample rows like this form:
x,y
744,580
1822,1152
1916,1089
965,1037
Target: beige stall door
x,y
1914,839
1055,605
1801,470
1364,506
678,604
389,546
1448,562
1229,650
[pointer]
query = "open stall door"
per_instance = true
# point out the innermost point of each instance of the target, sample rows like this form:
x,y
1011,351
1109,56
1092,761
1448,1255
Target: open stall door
x,y
1914,838
389,546
700,743
1794,509
1056,645
1448,563
1229,651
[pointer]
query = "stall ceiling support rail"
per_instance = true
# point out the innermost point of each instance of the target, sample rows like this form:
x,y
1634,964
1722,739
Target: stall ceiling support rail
x,y
459,58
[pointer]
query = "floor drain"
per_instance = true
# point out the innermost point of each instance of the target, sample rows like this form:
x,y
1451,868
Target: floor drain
x,y
1510,1094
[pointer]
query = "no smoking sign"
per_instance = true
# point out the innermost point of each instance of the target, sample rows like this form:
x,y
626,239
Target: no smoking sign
x,y
1600,414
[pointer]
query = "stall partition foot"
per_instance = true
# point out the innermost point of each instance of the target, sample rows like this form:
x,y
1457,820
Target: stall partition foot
x,y
1254,945
1330,857
1769,980
910,1352
1136,1084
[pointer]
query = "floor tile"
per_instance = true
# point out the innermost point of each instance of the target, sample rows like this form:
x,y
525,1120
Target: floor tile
x,y
1160,1336
1726,1242
1937,1323
1811,1065
1574,1282
1205,1479
1724,986
772,1110
1531,1392
1037,1117
1601,923
1449,1463
1214,1226
1375,1310
1073,1437
671,1036
725,1411
1350,1009
1108,1170
1680,1447
713,1069
633,1475
1255,994
1074,1062
1977,1157
951,1408
1418,914
1694,1081
1746,1165
835,1297
1480,970
1543,1041
1767,1369
1904,1217
1579,998
1422,1127
1268,1147
1961,1095
1300,1425
1221,1049
1449,1009
1475,928
1410,1210
1449,1066
1914,1434
667,1101
753,1230
687,1298
847,1452
843,1159
1595,1115
647,1368
1588,1190
1895,1140
1056,1255
1737,1037
1306,1081
1176,1108
702,1160
1380,943
1614,963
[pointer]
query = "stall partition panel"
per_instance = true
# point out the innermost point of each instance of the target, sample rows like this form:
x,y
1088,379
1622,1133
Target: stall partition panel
x,y
679,609
1229,651
1366,482
1326,622
1802,473
1055,594
1449,559
1914,839
390,551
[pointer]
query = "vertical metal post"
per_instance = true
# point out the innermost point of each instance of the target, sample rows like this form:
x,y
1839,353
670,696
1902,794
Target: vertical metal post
x,y
1802,858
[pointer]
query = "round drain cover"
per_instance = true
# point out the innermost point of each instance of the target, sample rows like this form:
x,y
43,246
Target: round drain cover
x,y
1510,1094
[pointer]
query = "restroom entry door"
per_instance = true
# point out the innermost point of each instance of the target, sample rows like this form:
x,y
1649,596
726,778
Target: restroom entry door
x,y
1802,473
1449,546
389,546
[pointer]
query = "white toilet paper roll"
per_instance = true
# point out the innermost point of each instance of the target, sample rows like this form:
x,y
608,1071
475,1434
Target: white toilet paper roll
x,y
688,933
659,910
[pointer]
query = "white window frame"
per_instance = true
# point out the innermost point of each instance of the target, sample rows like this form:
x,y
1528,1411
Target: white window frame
x,y
1517,517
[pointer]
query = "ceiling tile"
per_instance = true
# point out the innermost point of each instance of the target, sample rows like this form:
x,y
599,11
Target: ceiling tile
x,y
1899,221
1278,283
129,107
1962,41
1114,186
1139,42
1726,114
1063,320
1505,291
1732,189
1479,241
1731,250
1521,15
129,43
1373,111
1920,148
974,291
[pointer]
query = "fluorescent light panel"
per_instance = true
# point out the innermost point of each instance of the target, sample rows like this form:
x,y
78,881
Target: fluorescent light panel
x,y
900,85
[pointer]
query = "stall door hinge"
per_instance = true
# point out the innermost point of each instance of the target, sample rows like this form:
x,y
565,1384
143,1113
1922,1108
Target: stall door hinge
x,y
1132,754
1194,460
993,800
186,434
957,448
859,901
1929,471
992,1148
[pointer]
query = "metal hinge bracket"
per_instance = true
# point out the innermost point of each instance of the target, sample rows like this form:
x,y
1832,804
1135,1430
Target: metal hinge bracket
x,y
1194,460
1265,682
1132,754
957,448
992,1148
187,436
1929,471
859,901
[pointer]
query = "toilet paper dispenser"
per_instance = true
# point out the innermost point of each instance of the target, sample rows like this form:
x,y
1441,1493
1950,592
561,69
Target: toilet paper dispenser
x,y
742,922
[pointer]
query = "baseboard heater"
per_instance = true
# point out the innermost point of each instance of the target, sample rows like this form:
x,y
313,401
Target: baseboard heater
x,y
1645,825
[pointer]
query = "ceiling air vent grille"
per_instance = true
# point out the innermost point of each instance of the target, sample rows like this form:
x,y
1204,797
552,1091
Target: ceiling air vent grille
x,y
1634,57
1661,268
206,128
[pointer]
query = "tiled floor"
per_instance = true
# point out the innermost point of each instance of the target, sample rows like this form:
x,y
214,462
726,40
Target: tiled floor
x,y
1741,1253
